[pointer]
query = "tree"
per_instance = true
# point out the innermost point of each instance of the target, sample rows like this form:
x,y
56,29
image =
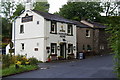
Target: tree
x,y
42,6
6,28
114,39
81,10
8,9
110,8
19,9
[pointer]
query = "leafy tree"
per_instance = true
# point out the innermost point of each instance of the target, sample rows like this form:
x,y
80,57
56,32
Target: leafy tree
x,y
42,6
8,9
6,28
81,10
114,39
19,9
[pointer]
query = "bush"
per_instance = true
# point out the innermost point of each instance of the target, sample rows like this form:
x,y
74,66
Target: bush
x,y
33,61
22,59
19,60
7,60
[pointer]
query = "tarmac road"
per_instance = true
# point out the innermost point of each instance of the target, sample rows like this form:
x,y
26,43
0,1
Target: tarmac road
x,y
94,67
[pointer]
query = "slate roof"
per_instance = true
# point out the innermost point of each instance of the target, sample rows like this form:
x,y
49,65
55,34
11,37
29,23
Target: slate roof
x,y
81,25
53,17
58,18
98,25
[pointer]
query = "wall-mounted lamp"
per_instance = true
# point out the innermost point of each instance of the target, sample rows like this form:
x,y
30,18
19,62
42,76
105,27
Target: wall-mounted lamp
x,y
58,47
74,47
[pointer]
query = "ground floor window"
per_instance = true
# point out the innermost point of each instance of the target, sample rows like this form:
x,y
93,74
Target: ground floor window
x,y
102,47
70,48
89,47
22,46
53,48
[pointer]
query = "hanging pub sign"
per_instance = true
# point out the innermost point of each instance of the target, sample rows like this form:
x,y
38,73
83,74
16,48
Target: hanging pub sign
x,y
27,19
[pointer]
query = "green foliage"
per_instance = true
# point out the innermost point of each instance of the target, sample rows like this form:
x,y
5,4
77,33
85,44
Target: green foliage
x,y
19,59
19,9
33,61
7,61
41,6
114,40
81,10
6,28
13,70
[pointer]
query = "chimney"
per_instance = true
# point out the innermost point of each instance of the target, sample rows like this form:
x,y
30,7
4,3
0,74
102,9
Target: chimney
x,y
28,5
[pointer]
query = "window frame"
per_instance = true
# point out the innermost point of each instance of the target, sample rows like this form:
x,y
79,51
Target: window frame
x,y
87,33
70,29
55,48
22,46
70,48
55,27
38,22
21,29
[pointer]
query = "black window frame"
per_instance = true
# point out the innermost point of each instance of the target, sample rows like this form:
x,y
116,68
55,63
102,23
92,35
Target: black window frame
x,y
54,51
70,48
55,27
70,29
21,29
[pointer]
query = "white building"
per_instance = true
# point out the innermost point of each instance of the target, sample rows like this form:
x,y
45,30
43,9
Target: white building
x,y
39,34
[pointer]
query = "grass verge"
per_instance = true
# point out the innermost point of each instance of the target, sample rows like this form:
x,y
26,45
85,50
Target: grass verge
x,y
12,70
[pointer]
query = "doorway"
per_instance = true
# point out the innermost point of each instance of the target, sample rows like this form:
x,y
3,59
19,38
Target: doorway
x,y
63,50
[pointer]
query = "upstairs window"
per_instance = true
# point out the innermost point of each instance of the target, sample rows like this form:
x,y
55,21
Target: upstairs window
x,y
21,29
53,48
70,29
53,27
37,22
87,33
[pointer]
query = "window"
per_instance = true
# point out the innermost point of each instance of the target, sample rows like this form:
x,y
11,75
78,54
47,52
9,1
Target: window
x,y
102,47
22,44
87,33
37,22
53,27
53,48
21,29
83,47
70,29
89,47
70,48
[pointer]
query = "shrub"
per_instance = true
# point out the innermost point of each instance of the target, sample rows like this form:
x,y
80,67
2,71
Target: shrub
x,y
7,61
33,61
22,59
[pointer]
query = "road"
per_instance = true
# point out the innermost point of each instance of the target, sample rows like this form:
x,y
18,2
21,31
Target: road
x,y
94,67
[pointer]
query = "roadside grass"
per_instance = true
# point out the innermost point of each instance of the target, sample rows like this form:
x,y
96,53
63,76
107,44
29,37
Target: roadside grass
x,y
12,70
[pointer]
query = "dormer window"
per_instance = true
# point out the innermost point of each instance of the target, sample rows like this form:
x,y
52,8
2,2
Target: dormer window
x,y
70,29
87,33
53,27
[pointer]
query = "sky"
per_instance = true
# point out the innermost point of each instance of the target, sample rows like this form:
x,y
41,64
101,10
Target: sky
x,y
55,5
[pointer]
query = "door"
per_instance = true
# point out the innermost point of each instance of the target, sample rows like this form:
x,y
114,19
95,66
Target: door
x,y
63,50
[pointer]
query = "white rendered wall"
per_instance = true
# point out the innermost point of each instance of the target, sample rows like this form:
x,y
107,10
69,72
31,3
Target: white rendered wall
x,y
55,38
33,36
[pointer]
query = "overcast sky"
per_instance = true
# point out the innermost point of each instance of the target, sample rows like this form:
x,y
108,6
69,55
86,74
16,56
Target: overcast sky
x,y
55,5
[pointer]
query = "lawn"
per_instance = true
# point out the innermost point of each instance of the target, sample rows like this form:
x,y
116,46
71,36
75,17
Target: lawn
x,y
13,70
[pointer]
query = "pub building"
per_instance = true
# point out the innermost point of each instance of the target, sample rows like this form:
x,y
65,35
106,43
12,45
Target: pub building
x,y
43,35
